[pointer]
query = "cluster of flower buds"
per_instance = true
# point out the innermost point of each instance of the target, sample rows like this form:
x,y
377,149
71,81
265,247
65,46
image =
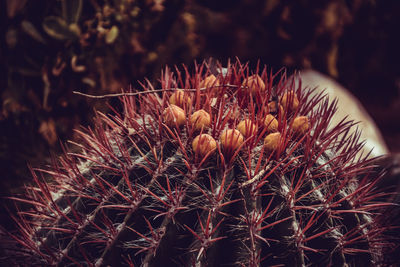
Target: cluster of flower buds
x,y
232,139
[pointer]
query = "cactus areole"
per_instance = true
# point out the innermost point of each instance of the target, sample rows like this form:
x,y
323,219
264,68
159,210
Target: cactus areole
x,y
143,191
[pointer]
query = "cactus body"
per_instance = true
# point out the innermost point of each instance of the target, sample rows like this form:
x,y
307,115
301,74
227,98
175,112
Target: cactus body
x,y
142,193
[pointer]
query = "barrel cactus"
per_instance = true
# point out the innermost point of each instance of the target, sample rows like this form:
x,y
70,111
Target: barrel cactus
x,y
232,167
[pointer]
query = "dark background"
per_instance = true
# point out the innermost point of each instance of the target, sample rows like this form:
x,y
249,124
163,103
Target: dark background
x,y
51,48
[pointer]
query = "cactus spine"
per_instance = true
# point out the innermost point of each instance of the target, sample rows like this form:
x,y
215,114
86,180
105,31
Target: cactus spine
x,y
156,185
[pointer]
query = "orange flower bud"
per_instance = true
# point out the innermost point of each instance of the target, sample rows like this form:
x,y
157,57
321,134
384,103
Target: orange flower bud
x,y
290,101
231,139
254,84
181,99
271,141
208,82
200,119
270,123
273,108
174,116
247,128
301,125
204,144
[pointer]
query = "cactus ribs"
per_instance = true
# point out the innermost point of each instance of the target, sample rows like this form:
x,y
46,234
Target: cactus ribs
x,y
254,179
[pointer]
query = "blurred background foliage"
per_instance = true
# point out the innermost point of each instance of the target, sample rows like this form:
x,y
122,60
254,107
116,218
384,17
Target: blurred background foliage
x,y
51,48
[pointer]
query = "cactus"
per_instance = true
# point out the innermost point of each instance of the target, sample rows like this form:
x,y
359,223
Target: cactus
x,y
235,168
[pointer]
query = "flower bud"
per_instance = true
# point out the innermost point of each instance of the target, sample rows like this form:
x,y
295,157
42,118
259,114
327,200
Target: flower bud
x,y
275,108
231,139
290,101
270,123
271,141
300,125
174,116
200,119
247,128
204,144
254,84
181,99
209,82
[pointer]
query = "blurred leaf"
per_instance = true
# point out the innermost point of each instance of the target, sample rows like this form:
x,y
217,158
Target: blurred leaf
x,y
71,10
89,81
27,71
31,30
11,106
112,34
74,27
74,64
58,28
11,38
48,130
270,5
46,90
14,6
12,98
332,61
26,65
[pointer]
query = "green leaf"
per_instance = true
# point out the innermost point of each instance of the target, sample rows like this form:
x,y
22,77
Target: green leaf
x,y
58,28
31,30
71,10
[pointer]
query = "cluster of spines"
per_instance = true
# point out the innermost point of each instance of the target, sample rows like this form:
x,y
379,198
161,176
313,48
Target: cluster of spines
x,y
143,188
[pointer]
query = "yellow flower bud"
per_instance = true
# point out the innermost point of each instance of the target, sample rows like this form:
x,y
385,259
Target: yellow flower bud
x,y
174,116
290,101
231,139
301,125
270,123
208,82
203,144
247,128
254,84
181,99
271,141
200,119
275,108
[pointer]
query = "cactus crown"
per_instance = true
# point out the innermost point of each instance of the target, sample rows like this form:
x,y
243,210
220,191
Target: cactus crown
x,y
255,178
